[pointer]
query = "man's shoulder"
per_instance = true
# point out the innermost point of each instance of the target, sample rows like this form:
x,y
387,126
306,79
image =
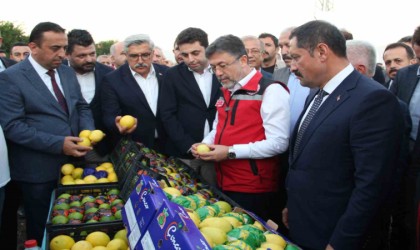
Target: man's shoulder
x,y
102,68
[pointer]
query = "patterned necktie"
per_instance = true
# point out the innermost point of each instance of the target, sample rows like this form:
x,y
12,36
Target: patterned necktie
x,y
308,118
60,97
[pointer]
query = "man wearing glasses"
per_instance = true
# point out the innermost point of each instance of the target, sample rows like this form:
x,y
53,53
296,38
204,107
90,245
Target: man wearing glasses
x,y
250,130
133,89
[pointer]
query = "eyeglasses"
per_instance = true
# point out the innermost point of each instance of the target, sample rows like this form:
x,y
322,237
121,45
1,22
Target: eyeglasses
x,y
253,51
222,66
144,56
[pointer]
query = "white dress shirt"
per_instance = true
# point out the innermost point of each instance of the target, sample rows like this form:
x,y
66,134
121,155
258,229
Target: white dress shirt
x,y
87,85
4,162
150,88
331,85
205,81
275,113
42,72
2,66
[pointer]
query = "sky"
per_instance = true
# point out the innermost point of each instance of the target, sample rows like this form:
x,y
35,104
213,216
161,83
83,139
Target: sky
x,y
378,22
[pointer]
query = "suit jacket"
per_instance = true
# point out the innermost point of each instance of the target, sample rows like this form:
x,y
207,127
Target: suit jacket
x,y
282,75
183,109
35,124
266,74
341,175
7,62
121,95
405,83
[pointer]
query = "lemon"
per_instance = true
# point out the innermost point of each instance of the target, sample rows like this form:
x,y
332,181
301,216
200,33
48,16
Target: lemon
x,y
102,180
112,177
96,135
98,239
217,236
82,245
107,165
117,244
67,169
85,142
122,234
90,179
99,168
61,242
194,217
99,248
69,183
216,222
67,178
79,181
203,148
77,173
84,133
110,170
275,239
208,239
127,121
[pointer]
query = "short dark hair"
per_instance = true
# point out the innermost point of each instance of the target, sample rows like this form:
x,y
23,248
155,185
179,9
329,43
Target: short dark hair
x,y
347,35
191,35
17,44
78,37
38,31
229,44
408,49
416,37
310,34
406,39
274,38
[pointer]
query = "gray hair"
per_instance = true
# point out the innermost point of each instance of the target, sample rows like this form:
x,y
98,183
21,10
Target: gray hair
x,y
362,52
253,38
138,39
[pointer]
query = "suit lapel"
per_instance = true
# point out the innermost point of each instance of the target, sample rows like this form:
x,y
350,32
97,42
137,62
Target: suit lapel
x,y
339,96
35,80
412,80
134,87
192,84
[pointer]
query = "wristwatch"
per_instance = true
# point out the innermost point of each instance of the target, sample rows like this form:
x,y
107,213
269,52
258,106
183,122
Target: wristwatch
x,y
231,153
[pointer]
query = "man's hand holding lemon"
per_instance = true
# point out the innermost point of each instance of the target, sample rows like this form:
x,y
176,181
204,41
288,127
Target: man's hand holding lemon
x,y
126,124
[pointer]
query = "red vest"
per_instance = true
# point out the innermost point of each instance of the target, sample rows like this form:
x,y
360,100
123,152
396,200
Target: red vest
x,y
240,122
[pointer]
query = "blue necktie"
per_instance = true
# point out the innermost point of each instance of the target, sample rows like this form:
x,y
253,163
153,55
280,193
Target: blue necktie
x,y
315,106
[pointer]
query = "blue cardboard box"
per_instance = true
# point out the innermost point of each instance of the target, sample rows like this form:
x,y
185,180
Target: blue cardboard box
x,y
172,228
141,207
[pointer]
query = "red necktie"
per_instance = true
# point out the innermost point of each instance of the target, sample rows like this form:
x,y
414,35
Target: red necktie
x,y
60,97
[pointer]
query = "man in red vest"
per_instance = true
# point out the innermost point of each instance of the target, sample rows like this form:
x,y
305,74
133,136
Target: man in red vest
x,y
250,130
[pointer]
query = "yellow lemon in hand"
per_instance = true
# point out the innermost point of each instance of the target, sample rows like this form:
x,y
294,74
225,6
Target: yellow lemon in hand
x,y
203,148
96,135
85,142
84,133
127,121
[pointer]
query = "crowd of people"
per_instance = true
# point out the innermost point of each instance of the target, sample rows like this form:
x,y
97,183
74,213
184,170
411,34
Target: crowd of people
x,y
305,129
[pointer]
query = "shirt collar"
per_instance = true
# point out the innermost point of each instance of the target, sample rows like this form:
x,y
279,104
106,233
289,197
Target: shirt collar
x,y
333,83
38,67
418,71
206,70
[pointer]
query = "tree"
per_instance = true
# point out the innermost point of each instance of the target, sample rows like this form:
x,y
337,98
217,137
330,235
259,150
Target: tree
x,y
11,33
102,48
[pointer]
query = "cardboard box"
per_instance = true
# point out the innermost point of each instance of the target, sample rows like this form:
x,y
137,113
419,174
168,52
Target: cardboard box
x,y
172,228
141,207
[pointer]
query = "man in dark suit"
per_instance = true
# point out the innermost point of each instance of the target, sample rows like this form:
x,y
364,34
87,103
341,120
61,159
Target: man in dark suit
x,y
406,86
133,89
397,56
188,96
81,54
344,147
41,109
6,63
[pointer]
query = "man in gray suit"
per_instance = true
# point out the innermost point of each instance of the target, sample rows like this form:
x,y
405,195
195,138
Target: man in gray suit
x,y
298,93
41,109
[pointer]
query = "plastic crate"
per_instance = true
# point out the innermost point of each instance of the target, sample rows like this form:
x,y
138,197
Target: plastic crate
x,y
80,233
82,190
85,165
120,150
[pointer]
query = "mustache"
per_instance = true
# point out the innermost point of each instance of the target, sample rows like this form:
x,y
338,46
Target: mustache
x,y
286,56
89,64
297,73
393,70
139,65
